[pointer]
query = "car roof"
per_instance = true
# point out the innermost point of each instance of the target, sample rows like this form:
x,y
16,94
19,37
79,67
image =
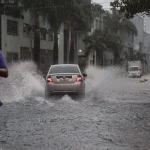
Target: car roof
x,y
64,65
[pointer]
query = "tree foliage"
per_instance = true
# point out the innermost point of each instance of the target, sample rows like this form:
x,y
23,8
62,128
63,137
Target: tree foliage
x,y
132,7
115,23
137,56
140,56
96,10
101,41
75,13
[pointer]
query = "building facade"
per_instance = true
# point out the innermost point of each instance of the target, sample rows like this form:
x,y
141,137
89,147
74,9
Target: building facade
x,y
141,40
147,50
97,24
17,39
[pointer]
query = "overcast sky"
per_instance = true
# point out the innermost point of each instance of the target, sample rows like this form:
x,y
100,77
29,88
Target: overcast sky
x,y
104,3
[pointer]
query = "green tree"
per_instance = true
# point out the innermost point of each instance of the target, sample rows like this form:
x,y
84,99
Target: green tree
x,y
140,56
79,19
118,26
116,23
132,7
101,41
75,13
56,14
95,42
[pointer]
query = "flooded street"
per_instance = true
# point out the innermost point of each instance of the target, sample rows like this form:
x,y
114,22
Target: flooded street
x,y
115,115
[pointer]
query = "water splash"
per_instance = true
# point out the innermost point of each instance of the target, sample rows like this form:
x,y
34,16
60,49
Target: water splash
x,y
101,84
112,84
23,82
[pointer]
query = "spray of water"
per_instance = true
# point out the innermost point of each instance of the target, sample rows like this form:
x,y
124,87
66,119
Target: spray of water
x,y
101,84
23,82
112,84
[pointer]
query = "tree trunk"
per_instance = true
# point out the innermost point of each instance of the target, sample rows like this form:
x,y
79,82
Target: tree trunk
x,y
131,53
55,48
72,46
99,58
36,50
116,58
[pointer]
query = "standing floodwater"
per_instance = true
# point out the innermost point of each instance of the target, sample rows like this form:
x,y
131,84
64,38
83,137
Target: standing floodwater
x,y
114,115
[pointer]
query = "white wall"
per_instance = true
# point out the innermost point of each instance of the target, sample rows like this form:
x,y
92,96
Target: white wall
x,y
12,43
147,48
139,23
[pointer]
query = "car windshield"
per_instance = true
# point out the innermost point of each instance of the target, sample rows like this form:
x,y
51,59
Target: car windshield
x,y
133,69
64,69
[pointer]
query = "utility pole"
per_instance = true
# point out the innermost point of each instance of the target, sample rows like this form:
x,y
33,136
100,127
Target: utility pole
x,y
93,57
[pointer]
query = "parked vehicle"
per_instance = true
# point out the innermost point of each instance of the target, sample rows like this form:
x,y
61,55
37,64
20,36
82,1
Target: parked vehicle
x,y
134,69
65,79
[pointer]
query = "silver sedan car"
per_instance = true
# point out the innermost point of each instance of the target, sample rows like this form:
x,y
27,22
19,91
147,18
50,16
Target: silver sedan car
x,y
65,78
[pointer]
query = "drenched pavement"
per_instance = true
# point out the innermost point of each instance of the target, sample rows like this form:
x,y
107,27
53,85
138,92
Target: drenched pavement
x,y
115,115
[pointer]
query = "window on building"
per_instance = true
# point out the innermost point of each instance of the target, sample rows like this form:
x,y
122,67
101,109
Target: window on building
x,y
43,33
26,30
12,57
12,27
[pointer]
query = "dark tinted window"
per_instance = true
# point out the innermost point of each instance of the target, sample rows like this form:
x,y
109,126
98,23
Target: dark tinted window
x,y
12,27
133,69
64,69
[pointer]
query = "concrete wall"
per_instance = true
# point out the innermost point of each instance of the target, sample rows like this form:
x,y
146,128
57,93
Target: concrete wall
x,y
147,49
14,43
139,23
140,41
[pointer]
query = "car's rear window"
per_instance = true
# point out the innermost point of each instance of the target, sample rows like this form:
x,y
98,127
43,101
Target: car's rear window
x,y
64,69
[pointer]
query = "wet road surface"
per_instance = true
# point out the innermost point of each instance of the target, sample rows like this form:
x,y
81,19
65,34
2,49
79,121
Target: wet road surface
x,y
76,126
114,118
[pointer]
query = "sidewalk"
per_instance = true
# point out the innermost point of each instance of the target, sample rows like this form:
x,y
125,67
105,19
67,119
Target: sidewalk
x,y
147,76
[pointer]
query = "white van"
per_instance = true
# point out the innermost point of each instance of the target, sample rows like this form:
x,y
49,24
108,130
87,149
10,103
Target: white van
x,y
134,69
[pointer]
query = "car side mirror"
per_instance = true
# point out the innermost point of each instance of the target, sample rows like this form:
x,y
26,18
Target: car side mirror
x,y
84,75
